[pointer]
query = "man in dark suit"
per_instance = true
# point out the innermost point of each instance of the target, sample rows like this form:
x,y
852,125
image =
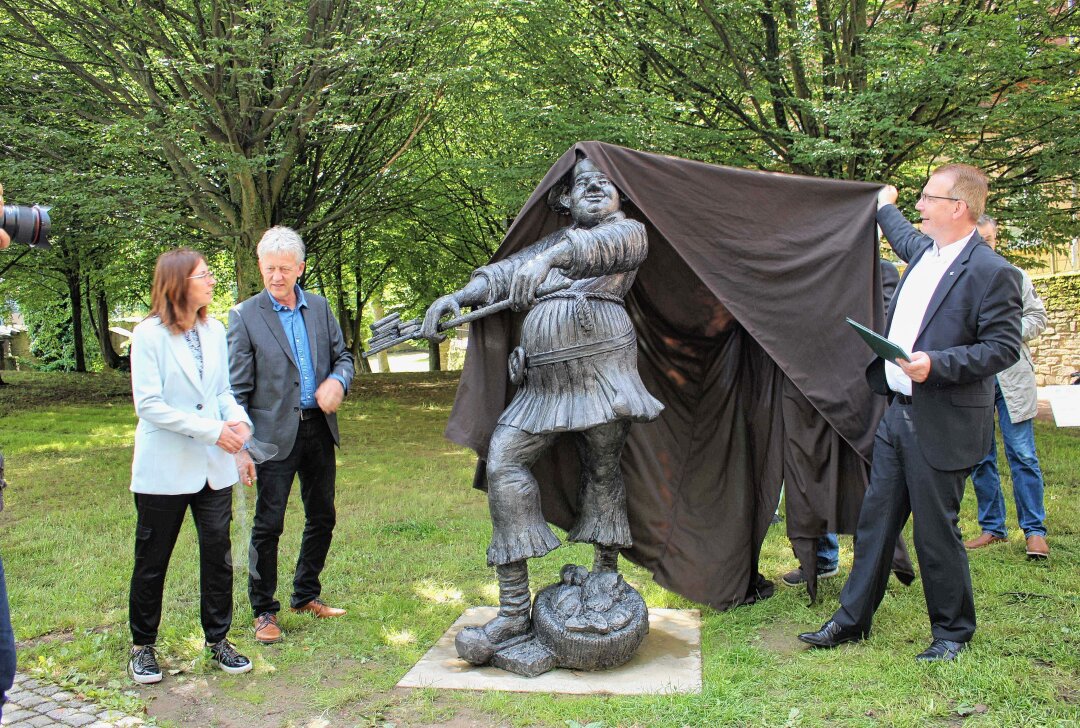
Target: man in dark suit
x,y
957,310
289,370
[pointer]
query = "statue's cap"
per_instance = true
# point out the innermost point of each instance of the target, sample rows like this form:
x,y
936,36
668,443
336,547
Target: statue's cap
x,y
585,166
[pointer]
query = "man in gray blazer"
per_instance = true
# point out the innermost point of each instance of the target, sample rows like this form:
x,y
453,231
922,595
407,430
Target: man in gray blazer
x,y
289,370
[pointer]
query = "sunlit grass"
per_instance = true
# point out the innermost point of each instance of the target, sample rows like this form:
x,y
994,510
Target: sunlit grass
x,y
409,557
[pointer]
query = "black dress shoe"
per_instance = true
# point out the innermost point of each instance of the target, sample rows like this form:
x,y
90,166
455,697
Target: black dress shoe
x,y
941,650
830,635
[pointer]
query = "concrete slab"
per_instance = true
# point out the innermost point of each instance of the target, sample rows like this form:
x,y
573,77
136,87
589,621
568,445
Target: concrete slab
x,y
1064,403
668,661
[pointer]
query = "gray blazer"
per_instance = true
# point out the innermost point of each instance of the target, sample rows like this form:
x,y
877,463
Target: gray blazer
x,y
265,378
1018,381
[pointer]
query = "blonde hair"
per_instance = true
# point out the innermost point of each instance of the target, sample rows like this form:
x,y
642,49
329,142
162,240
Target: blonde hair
x,y
970,184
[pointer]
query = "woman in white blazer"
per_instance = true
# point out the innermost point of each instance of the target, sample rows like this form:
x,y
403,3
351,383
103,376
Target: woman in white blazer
x,y
189,429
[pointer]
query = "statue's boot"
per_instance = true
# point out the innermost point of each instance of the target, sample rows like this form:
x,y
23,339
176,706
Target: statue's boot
x,y
605,558
478,644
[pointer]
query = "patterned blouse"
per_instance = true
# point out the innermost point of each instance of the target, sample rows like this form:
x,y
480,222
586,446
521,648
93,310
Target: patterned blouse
x,y
191,338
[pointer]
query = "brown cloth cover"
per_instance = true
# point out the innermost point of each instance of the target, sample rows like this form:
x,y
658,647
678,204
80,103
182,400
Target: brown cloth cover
x,y
739,311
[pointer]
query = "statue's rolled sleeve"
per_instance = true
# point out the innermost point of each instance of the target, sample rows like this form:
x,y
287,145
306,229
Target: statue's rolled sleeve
x,y
617,247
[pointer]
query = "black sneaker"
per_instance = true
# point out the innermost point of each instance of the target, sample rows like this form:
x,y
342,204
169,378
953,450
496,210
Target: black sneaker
x,y
143,666
228,659
796,576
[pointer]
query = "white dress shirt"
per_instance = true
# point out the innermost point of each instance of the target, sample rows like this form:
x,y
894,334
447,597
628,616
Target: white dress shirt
x,y
911,303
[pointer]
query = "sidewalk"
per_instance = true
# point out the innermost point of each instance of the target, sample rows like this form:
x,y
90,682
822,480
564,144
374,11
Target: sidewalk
x,y
32,705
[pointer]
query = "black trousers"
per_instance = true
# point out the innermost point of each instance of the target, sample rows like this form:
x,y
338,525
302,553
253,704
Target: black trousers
x,y
902,483
313,459
159,521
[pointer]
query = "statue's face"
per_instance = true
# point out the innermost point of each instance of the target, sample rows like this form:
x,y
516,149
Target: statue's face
x,y
592,198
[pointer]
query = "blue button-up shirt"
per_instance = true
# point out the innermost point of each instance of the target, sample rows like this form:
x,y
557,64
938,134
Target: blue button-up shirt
x,y
292,321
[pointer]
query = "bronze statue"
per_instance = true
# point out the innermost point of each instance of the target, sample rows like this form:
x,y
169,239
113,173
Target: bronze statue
x,y
576,368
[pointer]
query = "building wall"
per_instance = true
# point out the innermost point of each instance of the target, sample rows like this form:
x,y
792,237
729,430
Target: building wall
x,y
1057,351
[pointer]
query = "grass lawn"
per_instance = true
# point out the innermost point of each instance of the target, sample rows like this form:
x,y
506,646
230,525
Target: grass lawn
x,y
408,558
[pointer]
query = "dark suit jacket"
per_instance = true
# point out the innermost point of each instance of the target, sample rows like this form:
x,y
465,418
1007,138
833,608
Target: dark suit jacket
x,y
265,378
971,331
890,277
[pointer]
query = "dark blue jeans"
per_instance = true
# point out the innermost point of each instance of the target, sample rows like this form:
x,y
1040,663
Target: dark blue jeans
x,y
828,552
1027,478
7,644
313,459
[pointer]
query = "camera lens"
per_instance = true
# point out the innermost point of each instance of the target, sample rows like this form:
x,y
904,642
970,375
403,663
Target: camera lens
x,y
27,225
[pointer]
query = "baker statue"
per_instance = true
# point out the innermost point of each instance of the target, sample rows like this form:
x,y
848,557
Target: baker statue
x,y
576,369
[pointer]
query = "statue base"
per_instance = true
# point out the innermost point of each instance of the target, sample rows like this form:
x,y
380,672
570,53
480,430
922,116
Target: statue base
x,y
586,621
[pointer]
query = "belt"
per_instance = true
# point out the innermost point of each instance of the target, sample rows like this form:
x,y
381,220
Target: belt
x,y
309,414
902,399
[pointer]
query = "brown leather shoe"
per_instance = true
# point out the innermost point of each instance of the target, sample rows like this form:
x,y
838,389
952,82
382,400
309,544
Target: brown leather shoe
x,y
267,631
1037,547
320,609
984,540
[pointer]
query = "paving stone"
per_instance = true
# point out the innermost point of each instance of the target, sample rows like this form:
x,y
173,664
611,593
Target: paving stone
x,y
111,715
129,721
40,721
47,706
48,690
62,695
20,724
14,716
29,700
80,719
61,714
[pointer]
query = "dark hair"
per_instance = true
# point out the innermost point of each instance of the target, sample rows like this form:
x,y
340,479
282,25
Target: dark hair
x,y
168,296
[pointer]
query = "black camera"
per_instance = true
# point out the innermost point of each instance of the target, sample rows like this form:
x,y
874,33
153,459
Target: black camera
x,y
28,225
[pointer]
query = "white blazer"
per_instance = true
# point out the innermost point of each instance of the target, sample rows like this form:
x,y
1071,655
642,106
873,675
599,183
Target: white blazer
x,y
181,414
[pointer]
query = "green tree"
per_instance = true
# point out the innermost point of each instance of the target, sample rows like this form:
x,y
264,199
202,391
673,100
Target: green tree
x,y
264,113
858,89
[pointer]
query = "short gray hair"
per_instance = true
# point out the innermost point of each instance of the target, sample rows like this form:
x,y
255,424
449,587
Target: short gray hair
x,y
280,239
985,220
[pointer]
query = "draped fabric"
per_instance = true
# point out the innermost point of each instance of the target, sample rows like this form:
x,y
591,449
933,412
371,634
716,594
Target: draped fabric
x,y
739,311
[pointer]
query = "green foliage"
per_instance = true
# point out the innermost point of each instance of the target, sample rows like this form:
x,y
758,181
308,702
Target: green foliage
x,y
1060,293
402,139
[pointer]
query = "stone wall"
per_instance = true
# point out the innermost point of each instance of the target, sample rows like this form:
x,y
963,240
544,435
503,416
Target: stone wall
x,y
1057,351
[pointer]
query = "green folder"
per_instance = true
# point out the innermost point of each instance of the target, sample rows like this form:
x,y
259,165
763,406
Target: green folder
x,y
884,348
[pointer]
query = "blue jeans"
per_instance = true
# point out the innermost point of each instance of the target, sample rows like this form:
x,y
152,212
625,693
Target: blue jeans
x,y
828,552
7,643
1027,478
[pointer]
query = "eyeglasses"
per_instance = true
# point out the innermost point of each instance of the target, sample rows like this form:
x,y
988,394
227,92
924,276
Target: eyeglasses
x,y
200,276
924,197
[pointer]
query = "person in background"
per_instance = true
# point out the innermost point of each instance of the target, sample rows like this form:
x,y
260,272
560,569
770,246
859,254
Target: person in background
x,y
1016,399
290,371
189,429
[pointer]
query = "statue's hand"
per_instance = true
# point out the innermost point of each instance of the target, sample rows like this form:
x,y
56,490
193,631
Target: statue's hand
x,y
444,306
526,281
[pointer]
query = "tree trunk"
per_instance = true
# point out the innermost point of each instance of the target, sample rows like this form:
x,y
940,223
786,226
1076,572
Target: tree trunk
x,y
434,360
248,276
379,311
101,316
75,299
